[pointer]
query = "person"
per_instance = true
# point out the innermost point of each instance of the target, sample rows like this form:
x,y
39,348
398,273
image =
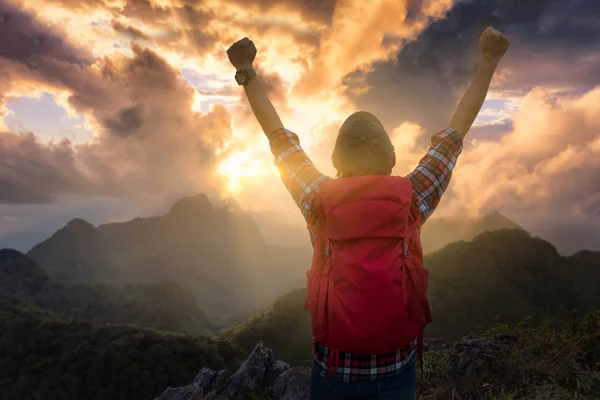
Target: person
x,y
367,285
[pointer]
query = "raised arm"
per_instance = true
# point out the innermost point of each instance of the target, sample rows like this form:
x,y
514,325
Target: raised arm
x,y
297,171
493,46
241,54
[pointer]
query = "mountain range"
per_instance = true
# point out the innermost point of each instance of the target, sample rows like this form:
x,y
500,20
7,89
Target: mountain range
x,y
214,251
505,276
217,253
84,295
162,306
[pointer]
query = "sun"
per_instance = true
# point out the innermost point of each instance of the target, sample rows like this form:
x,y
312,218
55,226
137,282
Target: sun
x,y
237,168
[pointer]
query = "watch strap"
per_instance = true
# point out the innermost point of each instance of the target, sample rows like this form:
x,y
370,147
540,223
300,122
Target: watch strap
x,y
243,76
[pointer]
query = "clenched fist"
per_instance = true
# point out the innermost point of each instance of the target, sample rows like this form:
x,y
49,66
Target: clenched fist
x,y
493,44
242,53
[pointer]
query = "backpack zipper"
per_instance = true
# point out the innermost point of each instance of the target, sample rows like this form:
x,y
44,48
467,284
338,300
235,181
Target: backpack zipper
x,y
406,250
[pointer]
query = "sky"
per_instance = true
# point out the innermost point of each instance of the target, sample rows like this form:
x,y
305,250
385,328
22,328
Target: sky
x,y
113,109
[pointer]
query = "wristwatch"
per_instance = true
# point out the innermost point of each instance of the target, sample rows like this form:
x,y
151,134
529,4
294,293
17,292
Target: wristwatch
x,y
243,76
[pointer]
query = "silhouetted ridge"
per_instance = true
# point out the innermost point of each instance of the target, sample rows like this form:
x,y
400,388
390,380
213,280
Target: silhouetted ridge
x,y
216,252
164,306
75,254
587,256
439,232
19,275
78,225
10,254
192,206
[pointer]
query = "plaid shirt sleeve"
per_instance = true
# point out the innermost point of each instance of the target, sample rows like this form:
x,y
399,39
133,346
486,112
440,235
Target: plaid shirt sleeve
x,y
432,176
429,179
297,171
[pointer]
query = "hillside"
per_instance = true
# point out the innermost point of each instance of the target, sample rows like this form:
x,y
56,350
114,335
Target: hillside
x,y
217,253
504,276
58,360
439,232
582,271
46,358
550,362
162,306
76,254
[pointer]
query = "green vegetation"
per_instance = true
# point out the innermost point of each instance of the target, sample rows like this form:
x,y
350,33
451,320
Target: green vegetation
x,y
59,342
285,328
500,277
553,361
162,306
46,358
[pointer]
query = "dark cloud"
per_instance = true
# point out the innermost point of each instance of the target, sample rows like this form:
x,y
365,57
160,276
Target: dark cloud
x,y
129,30
424,82
146,11
31,172
32,44
127,122
492,131
149,139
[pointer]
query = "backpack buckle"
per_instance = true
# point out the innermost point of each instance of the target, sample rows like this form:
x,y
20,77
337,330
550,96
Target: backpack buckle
x,y
406,251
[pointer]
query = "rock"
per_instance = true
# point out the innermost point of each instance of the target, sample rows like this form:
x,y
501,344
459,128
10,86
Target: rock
x,y
278,368
252,375
293,384
221,381
471,352
437,345
190,392
205,379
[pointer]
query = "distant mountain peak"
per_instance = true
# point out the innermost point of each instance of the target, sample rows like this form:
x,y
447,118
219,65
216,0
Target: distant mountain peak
x,y
231,204
78,224
10,255
587,256
199,203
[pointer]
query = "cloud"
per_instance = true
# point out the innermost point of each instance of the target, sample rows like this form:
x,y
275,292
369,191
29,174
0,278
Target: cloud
x,y
311,10
128,120
362,34
32,172
554,45
148,138
129,30
406,61
547,165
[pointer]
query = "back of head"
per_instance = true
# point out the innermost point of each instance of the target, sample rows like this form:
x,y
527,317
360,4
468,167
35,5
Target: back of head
x,y
363,147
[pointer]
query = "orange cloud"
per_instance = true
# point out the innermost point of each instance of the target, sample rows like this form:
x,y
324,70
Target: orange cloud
x,y
364,33
549,164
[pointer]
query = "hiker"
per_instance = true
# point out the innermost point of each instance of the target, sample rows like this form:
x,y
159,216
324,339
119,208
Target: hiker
x,y
367,285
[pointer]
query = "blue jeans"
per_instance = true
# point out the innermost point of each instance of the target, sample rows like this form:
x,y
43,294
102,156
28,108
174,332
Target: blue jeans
x,y
401,386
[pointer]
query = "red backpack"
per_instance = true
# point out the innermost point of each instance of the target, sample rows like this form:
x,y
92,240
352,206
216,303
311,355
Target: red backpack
x,y
367,288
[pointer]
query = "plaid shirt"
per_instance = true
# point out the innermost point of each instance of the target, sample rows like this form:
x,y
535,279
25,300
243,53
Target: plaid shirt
x,y
429,181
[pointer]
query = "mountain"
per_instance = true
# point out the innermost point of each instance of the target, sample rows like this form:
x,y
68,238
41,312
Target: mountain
x,y
582,273
215,252
162,306
75,254
439,232
504,276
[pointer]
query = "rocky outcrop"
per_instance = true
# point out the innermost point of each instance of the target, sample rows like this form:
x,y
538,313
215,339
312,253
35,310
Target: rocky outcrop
x,y
262,377
477,354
